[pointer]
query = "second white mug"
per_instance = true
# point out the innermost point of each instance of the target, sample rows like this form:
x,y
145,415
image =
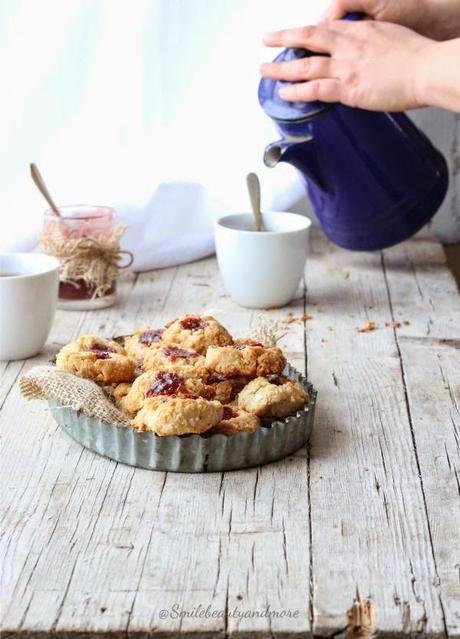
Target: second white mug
x,y
28,297
262,269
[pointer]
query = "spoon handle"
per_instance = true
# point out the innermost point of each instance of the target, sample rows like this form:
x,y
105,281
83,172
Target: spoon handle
x,y
254,195
40,184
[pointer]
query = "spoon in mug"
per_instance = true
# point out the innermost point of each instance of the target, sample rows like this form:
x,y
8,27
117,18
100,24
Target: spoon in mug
x,y
40,184
254,195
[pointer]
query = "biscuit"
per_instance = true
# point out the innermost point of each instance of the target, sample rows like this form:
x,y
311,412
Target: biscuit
x,y
96,358
196,333
223,391
141,340
266,399
234,421
245,359
175,359
92,342
178,416
225,388
119,393
163,384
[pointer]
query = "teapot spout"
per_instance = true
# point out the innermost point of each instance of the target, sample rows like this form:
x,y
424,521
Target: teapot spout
x,y
275,152
301,153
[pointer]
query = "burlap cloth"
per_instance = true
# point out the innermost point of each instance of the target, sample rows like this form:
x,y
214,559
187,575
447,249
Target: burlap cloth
x,y
47,382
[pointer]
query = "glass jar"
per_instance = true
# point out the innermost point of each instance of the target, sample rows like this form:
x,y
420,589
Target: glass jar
x,y
86,241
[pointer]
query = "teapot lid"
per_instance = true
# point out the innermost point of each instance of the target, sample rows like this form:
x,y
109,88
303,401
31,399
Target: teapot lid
x,y
282,110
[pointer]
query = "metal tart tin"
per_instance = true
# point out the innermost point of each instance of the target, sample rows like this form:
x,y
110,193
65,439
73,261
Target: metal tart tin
x,y
274,440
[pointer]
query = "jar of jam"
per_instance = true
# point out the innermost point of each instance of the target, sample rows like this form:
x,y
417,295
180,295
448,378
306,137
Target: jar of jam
x,y
86,240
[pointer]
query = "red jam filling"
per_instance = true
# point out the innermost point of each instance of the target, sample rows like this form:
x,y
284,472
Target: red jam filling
x,y
101,354
151,336
80,290
174,353
102,351
192,323
165,384
104,348
168,384
229,413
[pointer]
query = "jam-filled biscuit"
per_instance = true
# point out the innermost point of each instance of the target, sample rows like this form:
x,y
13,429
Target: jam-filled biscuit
x,y
225,388
178,416
245,359
92,342
235,420
163,384
96,358
119,393
196,333
174,358
142,340
267,399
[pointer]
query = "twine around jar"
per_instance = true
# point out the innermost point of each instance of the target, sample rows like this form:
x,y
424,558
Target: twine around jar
x,y
95,260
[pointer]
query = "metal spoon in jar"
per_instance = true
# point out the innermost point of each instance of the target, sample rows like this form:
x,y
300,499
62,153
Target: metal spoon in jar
x,y
40,184
254,195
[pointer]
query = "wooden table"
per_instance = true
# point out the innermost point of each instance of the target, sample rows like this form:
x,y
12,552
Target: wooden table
x,y
96,548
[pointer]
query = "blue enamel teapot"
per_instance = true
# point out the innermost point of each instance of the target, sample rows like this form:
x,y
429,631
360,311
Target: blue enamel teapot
x,y
373,179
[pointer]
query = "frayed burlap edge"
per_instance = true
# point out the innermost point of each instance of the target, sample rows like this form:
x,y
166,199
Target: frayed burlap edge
x,y
49,383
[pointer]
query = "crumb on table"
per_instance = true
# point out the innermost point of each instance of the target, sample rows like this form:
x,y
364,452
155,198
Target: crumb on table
x,y
367,327
291,319
396,324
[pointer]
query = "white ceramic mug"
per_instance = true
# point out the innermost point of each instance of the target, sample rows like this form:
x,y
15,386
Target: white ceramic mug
x,y
28,296
262,269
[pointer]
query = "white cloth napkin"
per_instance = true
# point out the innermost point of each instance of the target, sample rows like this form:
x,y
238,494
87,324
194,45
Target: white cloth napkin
x,y
148,106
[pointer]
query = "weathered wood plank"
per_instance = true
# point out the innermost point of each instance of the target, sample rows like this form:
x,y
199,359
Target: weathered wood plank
x,y
92,546
9,373
32,470
369,524
236,542
430,352
52,520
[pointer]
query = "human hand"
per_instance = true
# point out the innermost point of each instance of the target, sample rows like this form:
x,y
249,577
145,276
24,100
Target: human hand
x,y
372,65
437,19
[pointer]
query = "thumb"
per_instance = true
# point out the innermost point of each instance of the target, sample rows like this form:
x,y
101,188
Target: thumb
x,y
339,8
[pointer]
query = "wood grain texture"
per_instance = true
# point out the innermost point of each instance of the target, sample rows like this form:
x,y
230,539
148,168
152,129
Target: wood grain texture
x,y
430,364
368,519
94,548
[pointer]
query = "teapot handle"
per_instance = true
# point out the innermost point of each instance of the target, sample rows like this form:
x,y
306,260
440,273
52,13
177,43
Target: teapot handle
x,y
354,16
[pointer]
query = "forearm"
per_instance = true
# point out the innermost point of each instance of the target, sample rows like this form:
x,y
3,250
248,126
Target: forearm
x,y
435,19
439,19
438,76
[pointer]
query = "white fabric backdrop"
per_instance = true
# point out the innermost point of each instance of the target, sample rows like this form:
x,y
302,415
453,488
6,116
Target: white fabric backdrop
x,y
146,105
